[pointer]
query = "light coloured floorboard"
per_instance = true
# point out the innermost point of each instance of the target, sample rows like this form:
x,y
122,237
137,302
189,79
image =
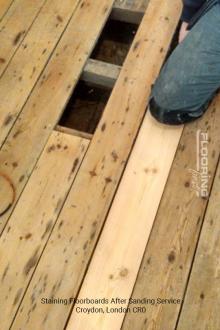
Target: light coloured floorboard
x,y
90,198
4,6
73,132
169,254
47,102
22,73
14,26
34,217
119,252
202,302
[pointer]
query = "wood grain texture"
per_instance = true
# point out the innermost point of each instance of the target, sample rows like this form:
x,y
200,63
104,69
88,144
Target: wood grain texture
x,y
14,26
21,75
170,250
73,132
4,6
47,102
96,182
33,219
128,226
202,302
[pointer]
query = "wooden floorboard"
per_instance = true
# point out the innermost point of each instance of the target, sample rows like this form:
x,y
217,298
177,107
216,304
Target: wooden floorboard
x,y
34,217
21,75
73,132
4,6
169,254
89,200
128,226
131,11
47,102
202,302
14,27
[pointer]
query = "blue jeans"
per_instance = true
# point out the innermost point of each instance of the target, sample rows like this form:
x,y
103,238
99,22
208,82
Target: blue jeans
x,y
191,76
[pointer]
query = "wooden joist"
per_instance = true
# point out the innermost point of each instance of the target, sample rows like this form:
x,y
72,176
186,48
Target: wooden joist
x,y
22,73
73,132
4,6
128,226
129,11
44,107
202,302
170,251
34,217
14,26
100,73
91,195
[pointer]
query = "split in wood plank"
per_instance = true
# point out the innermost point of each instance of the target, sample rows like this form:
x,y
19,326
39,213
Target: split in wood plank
x,y
101,170
166,264
42,111
128,226
22,73
74,132
34,217
14,26
4,7
131,11
100,73
202,302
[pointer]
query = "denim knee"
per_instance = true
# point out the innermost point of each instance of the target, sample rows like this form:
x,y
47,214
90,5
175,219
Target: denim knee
x,y
170,117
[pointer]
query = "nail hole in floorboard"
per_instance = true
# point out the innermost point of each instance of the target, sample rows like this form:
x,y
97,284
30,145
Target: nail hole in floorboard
x,y
85,108
114,42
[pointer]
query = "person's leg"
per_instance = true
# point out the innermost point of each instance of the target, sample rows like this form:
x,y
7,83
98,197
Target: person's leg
x,y
191,76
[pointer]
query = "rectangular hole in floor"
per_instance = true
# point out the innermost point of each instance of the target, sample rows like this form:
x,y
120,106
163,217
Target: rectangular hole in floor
x,y
114,42
85,108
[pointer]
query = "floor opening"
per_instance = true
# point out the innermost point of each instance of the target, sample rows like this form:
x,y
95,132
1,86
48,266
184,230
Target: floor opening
x,y
114,42
86,105
85,108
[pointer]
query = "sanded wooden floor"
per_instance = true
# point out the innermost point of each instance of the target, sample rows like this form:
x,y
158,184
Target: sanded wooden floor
x,y
113,215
